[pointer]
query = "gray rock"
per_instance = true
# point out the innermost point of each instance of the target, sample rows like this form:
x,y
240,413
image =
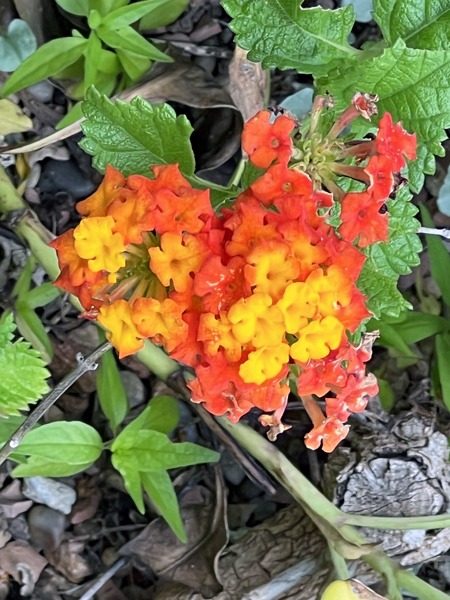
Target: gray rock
x,y
134,388
232,471
42,91
50,492
63,176
46,527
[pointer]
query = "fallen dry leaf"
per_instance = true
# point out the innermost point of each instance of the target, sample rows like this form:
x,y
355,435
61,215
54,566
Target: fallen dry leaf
x,y
23,564
67,560
248,84
195,563
12,119
89,497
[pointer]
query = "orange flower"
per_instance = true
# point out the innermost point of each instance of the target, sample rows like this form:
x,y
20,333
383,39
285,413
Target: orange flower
x,y
178,257
394,142
271,269
217,333
379,169
361,218
267,142
96,242
122,332
112,187
278,181
159,320
73,267
330,433
186,213
133,215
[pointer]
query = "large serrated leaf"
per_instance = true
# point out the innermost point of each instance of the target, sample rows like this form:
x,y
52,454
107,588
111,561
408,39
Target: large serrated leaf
x,y
420,23
22,377
281,34
386,261
412,85
131,137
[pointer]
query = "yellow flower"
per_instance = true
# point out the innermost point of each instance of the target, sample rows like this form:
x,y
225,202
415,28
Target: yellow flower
x,y
298,304
264,363
175,261
272,268
153,318
217,332
122,333
255,320
95,241
317,338
334,287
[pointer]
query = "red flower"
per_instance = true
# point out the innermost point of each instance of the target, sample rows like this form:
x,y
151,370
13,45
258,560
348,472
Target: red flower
x,y
379,169
267,142
330,433
361,217
394,142
279,181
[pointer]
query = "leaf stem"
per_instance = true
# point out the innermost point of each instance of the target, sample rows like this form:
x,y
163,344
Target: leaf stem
x,y
415,586
340,566
236,177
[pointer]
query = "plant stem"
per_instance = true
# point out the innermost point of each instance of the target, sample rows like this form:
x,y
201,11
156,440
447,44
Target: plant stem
x,y
415,586
401,523
157,361
340,566
236,177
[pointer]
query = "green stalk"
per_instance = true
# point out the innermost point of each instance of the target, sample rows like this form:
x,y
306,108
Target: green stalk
x,y
417,587
157,361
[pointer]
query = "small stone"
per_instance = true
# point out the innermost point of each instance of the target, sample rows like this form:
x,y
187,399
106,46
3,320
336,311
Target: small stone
x,y
232,470
63,176
42,91
207,63
249,490
264,509
46,527
134,388
50,492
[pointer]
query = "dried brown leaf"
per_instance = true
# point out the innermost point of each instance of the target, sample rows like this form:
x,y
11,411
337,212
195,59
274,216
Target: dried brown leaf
x,y
248,84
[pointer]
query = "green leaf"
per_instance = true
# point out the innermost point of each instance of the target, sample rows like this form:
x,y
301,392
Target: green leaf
x,y
127,38
439,257
91,63
71,442
412,85
392,338
443,363
9,426
16,45
42,295
7,328
250,175
281,34
420,23
158,486
127,468
23,376
31,328
75,7
129,14
111,392
135,66
385,394
74,114
45,62
387,261
37,466
164,14
108,62
12,119
417,326
153,451
130,137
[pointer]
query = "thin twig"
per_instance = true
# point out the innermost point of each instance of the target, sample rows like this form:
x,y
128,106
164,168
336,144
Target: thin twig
x,y
445,233
87,364
122,562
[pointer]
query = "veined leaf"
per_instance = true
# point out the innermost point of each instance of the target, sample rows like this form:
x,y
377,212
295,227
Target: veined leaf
x,y
158,486
75,7
38,466
48,60
22,372
439,257
129,14
281,34
71,442
32,329
41,295
153,451
92,52
420,23
127,468
111,392
412,85
130,137
163,15
129,39
135,66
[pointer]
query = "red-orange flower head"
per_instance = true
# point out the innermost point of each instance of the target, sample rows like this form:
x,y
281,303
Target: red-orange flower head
x,y
266,288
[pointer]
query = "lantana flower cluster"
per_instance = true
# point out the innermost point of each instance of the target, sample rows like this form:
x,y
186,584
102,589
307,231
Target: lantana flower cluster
x,y
261,292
